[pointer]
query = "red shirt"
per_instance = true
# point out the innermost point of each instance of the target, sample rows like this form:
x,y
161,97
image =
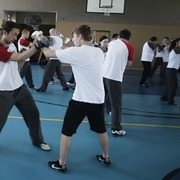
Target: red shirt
x,y
4,54
131,50
24,42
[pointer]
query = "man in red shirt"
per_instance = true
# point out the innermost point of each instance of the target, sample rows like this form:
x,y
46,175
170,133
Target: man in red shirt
x,y
12,90
23,45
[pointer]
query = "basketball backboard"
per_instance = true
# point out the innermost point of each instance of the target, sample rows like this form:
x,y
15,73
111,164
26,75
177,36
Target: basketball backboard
x,y
105,6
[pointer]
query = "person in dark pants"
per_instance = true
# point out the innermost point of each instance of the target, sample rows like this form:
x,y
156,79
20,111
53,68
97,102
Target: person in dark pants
x,y
158,61
12,90
171,73
147,57
166,43
53,65
23,45
120,54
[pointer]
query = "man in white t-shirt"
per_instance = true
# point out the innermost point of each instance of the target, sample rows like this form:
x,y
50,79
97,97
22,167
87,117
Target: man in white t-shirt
x,y
147,57
171,73
166,43
88,98
53,65
12,90
120,54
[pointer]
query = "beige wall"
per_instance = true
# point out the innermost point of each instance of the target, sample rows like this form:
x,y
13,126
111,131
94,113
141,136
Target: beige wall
x,y
140,33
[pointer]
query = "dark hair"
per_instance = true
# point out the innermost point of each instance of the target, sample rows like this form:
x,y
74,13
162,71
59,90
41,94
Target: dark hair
x,y
9,25
173,44
115,35
166,38
85,31
102,38
154,38
125,34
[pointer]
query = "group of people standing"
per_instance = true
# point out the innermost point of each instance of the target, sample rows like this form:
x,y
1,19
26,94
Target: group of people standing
x,y
97,77
53,66
166,55
98,73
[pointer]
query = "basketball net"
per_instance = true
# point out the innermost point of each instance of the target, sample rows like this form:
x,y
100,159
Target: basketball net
x,y
107,11
35,27
107,14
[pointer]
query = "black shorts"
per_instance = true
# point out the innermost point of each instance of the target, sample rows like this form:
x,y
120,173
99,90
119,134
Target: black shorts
x,y
77,111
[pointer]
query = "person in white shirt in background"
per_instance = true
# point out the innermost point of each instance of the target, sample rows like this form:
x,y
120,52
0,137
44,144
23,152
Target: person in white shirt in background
x,y
23,45
158,60
120,54
171,73
166,43
103,44
148,53
53,65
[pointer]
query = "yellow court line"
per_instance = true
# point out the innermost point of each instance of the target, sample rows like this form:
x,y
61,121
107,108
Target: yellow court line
x,y
85,121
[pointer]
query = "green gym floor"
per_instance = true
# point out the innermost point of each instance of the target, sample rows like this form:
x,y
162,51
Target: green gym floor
x,y
149,151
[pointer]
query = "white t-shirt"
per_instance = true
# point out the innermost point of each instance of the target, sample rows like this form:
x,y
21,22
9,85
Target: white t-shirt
x,y
166,54
9,74
147,53
86,62
57,44
160,54
174,60
116,60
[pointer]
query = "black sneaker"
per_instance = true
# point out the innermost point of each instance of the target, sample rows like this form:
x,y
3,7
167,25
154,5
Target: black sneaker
x,y
66,89
163,98
56,166
40,90
105,161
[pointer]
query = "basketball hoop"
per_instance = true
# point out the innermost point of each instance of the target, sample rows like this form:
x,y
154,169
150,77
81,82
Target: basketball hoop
x,y
33,20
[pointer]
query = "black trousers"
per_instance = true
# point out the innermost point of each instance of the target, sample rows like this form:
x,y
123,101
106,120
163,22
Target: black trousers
x,y
158,61
52,67
113,90
27,73
164,65
146,71
171,85
24,101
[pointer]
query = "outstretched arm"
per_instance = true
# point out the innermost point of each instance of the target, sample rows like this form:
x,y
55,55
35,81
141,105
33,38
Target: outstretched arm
x,y
24,55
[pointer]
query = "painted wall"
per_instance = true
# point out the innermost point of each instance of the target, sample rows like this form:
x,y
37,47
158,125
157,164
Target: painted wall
x,y
144,18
